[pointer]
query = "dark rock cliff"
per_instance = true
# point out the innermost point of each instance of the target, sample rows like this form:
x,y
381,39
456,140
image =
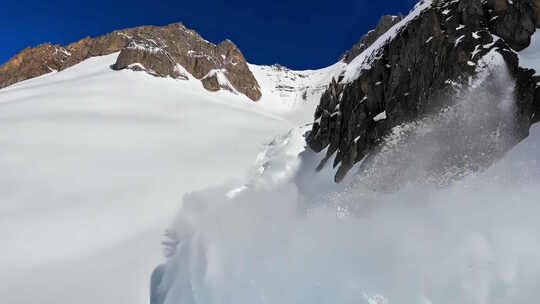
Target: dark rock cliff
x,y
161,51
384,24
420,69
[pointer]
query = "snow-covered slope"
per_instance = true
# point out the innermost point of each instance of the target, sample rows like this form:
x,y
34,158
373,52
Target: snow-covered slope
x,y
365,59
294,94
94,164
290,237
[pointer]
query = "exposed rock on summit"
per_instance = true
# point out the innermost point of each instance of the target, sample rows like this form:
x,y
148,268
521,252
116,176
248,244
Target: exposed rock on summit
x,y
171,50
385,23
166,51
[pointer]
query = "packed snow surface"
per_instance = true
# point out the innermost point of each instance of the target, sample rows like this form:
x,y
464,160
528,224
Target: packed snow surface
x,y
294,94
94,163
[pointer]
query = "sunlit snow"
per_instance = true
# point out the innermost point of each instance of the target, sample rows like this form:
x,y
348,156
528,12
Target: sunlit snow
x,y
94,164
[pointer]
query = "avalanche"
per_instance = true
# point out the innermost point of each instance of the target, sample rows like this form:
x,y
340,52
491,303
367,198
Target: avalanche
x,y
290,235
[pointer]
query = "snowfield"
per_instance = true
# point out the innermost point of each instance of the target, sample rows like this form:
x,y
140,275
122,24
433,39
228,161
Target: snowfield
x,y
94,164
294,94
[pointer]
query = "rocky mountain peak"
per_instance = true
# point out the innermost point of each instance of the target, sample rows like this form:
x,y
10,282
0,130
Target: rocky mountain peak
x,y
162,51
33,62
384,24
416,70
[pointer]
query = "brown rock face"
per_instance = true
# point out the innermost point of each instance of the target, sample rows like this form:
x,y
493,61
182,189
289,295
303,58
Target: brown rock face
x,y
149,57
32,62
161,51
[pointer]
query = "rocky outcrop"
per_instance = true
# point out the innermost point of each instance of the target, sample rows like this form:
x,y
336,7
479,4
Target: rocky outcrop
x,y
385,23
171,50
149,57
32,62
166,51
418,69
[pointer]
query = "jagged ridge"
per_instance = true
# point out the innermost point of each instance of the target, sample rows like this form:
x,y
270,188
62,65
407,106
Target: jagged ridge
x,y
411,71
162,51
384,24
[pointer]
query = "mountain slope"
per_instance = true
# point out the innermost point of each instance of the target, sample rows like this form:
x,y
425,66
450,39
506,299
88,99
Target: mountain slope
x,y
295,94
94,163
423,64
292,235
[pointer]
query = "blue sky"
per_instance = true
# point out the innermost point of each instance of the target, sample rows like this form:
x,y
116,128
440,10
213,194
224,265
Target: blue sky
x,y
299,34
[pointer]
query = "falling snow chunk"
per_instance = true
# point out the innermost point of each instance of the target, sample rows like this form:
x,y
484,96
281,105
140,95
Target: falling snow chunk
x,y
136,66
380,116
458,41
429,39
375,299
477,50
461,26
470,63
235,192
